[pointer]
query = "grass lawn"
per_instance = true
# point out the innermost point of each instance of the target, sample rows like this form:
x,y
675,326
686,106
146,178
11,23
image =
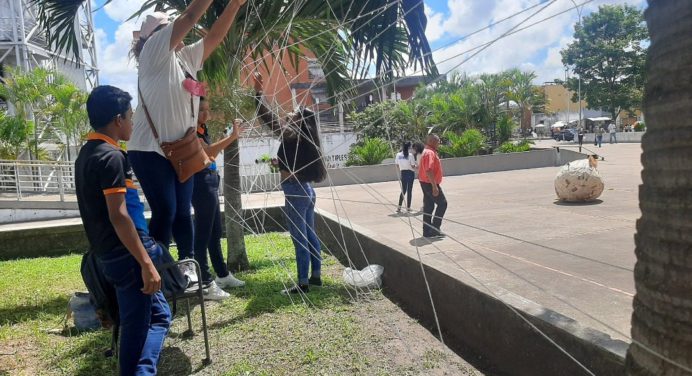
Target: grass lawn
x,y
257,331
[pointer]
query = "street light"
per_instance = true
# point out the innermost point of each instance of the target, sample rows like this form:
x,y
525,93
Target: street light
x,y
579,77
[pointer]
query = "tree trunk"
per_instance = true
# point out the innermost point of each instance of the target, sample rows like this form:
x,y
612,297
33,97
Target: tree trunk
x,y
662,317
237,255
69,156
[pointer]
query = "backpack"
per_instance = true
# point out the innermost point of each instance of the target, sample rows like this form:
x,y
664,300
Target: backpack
x,y
173,281
101,295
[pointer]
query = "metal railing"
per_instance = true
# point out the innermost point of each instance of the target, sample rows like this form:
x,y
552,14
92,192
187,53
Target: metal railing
x,y
25,178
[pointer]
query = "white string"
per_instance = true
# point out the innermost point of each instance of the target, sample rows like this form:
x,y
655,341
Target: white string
x,y
512,31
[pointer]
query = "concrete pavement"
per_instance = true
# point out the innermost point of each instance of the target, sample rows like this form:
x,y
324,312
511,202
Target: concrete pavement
x,y
507,234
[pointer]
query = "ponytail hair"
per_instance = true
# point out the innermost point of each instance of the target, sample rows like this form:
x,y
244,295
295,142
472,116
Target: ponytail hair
x,y
405,147
138,44
136,49
309,160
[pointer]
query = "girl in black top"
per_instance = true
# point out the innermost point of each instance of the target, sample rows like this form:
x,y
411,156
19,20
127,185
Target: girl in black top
x,y
300,164
205,201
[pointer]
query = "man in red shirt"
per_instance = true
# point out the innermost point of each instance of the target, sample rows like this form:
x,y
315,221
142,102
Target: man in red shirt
x,y
430,177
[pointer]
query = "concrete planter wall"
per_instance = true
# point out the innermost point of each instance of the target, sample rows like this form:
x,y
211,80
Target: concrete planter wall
x,y
26,210
490,331
452,167
625,137
55,238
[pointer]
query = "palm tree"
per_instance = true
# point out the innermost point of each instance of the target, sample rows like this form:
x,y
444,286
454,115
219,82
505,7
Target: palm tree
x,y
26,92
522,91
347,38
68,112
662,317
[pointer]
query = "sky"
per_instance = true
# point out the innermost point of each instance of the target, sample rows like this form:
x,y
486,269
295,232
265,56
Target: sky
x,y
450,23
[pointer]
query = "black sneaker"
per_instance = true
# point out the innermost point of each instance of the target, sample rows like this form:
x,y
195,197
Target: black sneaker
x,y
296,290
315,281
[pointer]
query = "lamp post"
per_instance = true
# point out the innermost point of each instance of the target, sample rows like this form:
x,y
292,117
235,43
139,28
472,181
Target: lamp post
x,y
579,76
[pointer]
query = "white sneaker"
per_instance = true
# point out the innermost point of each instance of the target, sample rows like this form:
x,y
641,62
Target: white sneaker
x,y
213,292
229,281
189,272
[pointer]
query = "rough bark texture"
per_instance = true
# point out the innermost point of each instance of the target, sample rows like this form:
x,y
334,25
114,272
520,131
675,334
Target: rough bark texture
x,y
237,255
662,317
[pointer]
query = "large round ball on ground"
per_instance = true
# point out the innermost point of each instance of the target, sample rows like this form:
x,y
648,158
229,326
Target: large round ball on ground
x,y
579,181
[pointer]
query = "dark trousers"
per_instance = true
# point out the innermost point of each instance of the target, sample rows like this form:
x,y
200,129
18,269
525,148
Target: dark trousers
x,y
205,201
432,223
144,319
407,177
168,198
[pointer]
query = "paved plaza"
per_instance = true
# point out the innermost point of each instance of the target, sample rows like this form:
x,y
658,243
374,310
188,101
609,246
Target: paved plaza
x,y
508,235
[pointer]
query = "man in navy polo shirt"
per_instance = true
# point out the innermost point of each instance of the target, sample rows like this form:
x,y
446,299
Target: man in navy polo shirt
x,y
113,218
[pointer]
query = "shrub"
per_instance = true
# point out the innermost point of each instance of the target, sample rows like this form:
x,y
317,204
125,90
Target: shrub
x,y
464,145
511,147
639,127
505,127
371,152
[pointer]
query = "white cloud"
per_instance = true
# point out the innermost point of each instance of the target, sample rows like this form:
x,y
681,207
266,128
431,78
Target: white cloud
x,y
434,29
536,48
115,66
121,10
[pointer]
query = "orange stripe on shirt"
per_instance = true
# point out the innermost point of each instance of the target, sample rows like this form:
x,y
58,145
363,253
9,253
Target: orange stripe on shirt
x,y
130,184
100,136
112,191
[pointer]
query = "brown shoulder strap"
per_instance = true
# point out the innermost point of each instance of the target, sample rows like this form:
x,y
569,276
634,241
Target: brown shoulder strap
x,y
146,112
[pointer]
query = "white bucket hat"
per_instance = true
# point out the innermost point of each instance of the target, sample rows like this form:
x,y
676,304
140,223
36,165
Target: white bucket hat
x,y
151,23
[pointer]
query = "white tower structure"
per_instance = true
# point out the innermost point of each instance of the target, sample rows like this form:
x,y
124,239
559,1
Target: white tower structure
x,y
24,44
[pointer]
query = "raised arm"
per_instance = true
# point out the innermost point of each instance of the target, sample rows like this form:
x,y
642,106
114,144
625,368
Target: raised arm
x,y
187,20
214,149
268,118
220,28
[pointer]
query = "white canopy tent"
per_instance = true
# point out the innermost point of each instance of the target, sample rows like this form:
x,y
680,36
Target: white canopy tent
x,y
558,124
602,118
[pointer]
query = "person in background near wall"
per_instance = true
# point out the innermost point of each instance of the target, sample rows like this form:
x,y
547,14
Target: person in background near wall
x,y
407,164
598,133
169,90
580,136
205,201
430,177
300,164
612,129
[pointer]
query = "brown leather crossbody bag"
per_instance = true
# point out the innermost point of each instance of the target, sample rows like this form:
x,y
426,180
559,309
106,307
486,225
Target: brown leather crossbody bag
x,y
186,154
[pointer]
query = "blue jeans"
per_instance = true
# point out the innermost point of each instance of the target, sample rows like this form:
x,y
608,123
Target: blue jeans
x,y
144,319
407,178
300,219
599,141
168,199
205,200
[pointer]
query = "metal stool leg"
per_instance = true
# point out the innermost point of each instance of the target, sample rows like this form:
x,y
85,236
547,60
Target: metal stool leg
x,y
200,294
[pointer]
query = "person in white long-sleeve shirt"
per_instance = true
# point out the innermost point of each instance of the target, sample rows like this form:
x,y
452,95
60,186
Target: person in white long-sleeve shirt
x,y
612,129
407,164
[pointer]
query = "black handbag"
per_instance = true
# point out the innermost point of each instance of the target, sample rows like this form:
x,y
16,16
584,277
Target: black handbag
x,y
173,281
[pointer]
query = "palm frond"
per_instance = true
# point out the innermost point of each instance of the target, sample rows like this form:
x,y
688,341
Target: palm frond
x,y
59,20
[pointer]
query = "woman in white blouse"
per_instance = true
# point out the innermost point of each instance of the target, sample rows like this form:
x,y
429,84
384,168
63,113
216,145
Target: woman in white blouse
x,y
168,87
407,164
